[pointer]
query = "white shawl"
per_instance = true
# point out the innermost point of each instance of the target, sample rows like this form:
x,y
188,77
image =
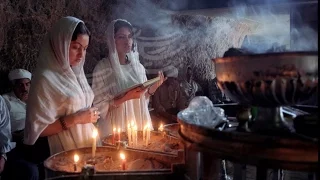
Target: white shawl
x,y
58,90
109,78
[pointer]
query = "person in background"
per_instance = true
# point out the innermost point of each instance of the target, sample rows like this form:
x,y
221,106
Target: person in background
x,y
16,101
166,100
121,70
189,87
59,113
12,166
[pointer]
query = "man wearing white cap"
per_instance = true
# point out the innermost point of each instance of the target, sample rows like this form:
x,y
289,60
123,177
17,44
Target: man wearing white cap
x,y
16,100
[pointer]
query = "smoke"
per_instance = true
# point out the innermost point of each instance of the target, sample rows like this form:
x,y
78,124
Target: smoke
x,y
167,39
279,25
144,14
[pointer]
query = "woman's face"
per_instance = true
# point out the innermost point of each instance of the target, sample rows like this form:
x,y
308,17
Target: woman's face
x,y
78,49
123,40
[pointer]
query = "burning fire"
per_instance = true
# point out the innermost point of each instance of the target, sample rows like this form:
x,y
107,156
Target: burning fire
x,y
122,156
76,158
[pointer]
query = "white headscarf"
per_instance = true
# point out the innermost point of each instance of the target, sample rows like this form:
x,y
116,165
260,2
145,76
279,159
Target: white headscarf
x,y
58,90
133,56
109,78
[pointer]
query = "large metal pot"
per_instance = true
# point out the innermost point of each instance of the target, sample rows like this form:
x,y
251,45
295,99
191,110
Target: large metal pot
x,y
270,80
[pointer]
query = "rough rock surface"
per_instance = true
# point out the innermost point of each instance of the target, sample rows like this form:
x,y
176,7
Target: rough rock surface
x,y
164,39
24,24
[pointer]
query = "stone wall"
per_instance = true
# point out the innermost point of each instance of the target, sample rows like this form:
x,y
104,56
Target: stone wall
x,y
164,39
24,24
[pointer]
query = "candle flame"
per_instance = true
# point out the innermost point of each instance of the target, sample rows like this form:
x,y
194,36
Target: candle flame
x,y
122,156
114,129
161,127
118,130
135,128
76,158
94,133
132,123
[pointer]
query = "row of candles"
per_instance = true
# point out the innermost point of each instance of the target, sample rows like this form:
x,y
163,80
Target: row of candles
x,y
132,135
122,157
132,139
132,132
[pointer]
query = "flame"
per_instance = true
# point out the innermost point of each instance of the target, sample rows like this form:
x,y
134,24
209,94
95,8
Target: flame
x,y
118,130
122,156
94,133
161,127
114,129
76,158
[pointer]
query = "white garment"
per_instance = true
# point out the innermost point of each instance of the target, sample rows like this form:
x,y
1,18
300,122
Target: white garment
x,y
58,90
17,109
109,78
5,130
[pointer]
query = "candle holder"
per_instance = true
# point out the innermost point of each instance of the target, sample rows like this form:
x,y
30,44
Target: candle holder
x,y
87,171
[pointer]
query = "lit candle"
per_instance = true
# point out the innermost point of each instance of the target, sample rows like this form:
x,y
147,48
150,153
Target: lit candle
x,y
114,135
148,135
135,130
144,133
148,132
76,159
123,161
132,132
129,135
94,142
119,135
160,128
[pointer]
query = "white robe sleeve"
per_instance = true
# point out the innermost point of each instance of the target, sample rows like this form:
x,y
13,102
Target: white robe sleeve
x,y
5,130
42,109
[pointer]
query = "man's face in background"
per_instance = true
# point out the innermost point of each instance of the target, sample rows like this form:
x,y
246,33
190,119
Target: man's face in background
x,y
21,88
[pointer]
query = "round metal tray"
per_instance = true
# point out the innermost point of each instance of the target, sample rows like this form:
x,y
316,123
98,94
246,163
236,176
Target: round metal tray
x,y
254,149
112,152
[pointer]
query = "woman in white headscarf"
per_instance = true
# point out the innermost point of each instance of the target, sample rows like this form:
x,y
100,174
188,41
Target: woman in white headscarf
x,y
119,71
59,112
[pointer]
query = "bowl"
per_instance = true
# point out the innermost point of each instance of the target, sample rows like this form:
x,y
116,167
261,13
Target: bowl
x,y
269,80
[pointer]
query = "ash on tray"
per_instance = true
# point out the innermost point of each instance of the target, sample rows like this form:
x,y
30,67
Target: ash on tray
x,y
105,163
202,112
159,142
146,164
